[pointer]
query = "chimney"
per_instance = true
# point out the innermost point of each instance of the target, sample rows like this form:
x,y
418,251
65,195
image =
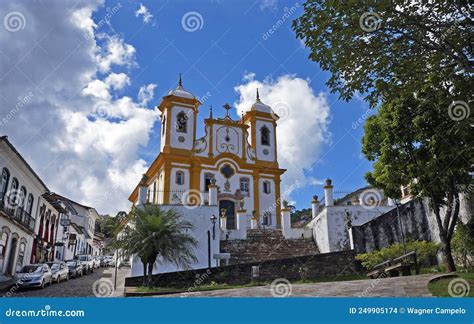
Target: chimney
x,y
328,195
314,207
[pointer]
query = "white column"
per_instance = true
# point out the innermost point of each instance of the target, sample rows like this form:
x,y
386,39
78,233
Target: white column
x,y
242,223
351,238
328,194
212,195
286,222
314,207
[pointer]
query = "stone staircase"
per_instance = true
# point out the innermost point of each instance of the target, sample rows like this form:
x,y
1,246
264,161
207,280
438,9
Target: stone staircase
x,y
268,244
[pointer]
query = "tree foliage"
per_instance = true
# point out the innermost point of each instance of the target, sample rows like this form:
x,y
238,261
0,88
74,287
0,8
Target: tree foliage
x,y
415,142
157,233
387,48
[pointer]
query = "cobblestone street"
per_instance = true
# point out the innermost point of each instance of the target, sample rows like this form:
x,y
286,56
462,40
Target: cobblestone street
x,y
100,283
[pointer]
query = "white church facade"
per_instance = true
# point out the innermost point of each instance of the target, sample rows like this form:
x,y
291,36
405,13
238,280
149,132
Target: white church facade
x,y
238,156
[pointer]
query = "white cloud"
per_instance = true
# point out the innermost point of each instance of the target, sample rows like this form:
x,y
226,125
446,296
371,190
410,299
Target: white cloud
x,y
268,4
304,118
143,11
145,94
115,52
92,160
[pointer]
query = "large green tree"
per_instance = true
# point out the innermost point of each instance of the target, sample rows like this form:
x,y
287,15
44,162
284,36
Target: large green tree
x,y
415,142
155,233
388,48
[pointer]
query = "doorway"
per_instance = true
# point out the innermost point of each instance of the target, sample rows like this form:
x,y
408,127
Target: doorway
x,y
11,257
229,207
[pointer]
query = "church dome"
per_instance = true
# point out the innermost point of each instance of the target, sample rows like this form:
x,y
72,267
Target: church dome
x,y
260,106
180,92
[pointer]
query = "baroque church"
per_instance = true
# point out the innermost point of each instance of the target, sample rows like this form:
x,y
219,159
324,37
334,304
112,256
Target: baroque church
x,y
238,156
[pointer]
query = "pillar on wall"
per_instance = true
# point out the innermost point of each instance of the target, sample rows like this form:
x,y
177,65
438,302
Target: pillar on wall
x,y
351,237
286,222
242,222
213,193
328,193
314,207
223,220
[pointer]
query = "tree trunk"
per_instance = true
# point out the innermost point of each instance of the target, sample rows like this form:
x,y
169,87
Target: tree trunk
x,y
448,256
150,274
144,273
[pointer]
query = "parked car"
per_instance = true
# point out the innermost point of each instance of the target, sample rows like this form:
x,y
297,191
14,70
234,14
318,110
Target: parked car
x,y
96,262
87,261
103,261
34,275
110,261
75,268
59,271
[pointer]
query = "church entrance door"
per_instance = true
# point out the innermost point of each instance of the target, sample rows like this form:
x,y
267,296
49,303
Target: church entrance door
x,y
229,207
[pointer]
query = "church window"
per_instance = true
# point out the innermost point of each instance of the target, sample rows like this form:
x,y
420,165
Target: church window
x,y
181,122
266,187
265,136
227,171
245,185
207,181
179,177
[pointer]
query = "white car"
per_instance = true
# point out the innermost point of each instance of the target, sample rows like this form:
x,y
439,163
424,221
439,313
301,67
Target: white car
x,y
59,271
87,261
34,275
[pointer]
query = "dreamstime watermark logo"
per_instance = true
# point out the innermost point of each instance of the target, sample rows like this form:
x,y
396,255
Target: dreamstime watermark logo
x,y
362,118
192,21
15,197
200,279
459,287
370,21
287,13
21,102
191,199
370,198
103,288
281,287
103,110
459,110
105,20
14,21
281,110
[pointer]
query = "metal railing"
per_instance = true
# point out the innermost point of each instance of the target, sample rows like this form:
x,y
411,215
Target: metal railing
x,y
19,214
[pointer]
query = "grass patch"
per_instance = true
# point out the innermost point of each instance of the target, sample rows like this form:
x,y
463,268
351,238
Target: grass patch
x,y
439,288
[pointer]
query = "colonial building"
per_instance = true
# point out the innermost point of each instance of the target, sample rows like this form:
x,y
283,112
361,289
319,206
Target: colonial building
x,y
28,220
239,156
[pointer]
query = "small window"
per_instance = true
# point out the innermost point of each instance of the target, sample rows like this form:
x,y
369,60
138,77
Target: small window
x,y
207,181
29,204
265,136
181,122
3,244
21,255
245,185
266,187
4,182
179,177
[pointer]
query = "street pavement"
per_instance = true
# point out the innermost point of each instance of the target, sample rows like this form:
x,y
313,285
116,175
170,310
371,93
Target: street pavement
x,y
411,286
97,284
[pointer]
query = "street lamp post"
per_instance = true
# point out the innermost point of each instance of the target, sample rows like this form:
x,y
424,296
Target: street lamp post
x,y
213,220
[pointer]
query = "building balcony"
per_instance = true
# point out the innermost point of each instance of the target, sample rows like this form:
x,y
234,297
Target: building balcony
x,y
19,215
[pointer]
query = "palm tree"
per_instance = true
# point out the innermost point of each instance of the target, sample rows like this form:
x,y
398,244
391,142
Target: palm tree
x,y
155,232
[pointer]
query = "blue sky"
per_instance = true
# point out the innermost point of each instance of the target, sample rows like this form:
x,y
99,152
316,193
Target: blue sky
x,y
89,73
213,59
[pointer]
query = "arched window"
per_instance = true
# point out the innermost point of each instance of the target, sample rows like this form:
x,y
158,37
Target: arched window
x,y
4,183
29,204
13,194
3,244
179,177
22,197
245,185
21,254
181,122
265,136
267,187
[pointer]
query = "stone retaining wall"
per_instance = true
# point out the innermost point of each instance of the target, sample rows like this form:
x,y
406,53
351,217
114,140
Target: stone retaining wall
x,y
296,268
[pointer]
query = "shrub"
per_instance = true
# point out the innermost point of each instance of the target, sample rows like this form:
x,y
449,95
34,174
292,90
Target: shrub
x,y
424,250
463,243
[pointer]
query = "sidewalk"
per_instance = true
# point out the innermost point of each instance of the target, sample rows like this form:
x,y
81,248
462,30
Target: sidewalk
x,y
122,273
5,282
